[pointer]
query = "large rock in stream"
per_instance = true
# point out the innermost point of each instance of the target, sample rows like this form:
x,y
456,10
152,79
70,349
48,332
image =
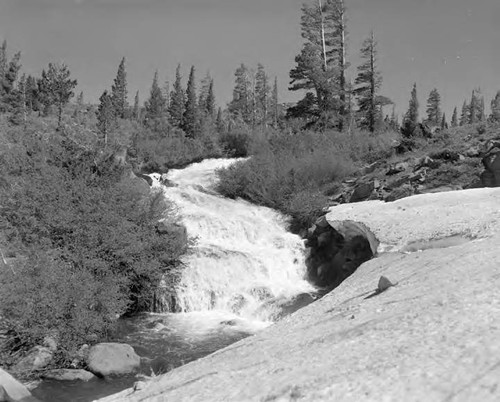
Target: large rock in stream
x,y
112,358
434,336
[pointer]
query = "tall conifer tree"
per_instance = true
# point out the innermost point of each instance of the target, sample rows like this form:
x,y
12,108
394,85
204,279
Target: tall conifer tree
x,y
262,90
495,109
410,120
105,115
368,83
190,118
119,92
454,118
464,116
155,105
434,108
136,109
177,100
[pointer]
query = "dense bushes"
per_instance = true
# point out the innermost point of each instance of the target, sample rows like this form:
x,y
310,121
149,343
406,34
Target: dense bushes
x,y
293,173
82,230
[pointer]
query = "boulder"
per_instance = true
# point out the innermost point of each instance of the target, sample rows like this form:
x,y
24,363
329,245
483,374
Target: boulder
x,y
112,358
405,190
362,191
145,177
491,162
446,155
426,161
12,390
473,152
336,250
69,375
37,358
397,168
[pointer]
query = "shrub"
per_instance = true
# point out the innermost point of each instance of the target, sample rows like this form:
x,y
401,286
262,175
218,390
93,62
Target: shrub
x,y
84,233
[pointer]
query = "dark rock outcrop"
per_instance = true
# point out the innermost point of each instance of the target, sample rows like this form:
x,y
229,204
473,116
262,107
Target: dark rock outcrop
x,y
336,250
491,162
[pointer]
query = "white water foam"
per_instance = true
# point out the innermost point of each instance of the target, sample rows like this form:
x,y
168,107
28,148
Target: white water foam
x,y
243,256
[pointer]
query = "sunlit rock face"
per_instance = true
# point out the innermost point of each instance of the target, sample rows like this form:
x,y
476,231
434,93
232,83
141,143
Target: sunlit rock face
x,y
434,336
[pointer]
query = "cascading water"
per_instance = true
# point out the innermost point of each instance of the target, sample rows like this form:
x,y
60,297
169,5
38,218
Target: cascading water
x,y
243,269
243,258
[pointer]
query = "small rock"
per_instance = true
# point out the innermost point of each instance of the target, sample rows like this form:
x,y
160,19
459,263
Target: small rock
x,y
398,168
384,284
139,385
69,375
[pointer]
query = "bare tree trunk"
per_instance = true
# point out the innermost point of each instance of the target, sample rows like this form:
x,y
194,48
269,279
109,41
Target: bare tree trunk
x,y
342,65
323,42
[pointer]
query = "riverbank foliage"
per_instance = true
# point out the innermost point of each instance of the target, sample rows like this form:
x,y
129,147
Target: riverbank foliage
x,y
77,233
295,173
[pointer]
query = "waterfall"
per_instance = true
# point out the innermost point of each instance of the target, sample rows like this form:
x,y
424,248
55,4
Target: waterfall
x,y
243,259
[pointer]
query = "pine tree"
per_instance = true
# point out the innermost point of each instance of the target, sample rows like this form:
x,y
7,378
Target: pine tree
x,y
368,83
464,116
393,122
190,118
240,106
495,109
203,95
119,91
106,115
262,94
410,120
210,101
476,107
32,101
444,124
481,112
3,60
18,102
177,100
219,121
320,66
454,118
274,104
434,108
136,110
57,88
155,105
8,79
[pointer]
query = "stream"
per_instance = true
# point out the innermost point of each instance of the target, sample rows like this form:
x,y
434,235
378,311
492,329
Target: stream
x,y
243,272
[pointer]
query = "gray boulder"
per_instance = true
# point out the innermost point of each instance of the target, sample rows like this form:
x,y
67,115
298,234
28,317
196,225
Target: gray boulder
x,y
112,358
69,375
12,390
37,358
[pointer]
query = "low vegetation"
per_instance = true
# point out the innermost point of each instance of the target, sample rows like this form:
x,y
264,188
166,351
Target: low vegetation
x,y
295,173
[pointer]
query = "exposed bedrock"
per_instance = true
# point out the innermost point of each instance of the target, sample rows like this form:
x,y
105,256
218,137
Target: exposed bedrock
x,y
336,249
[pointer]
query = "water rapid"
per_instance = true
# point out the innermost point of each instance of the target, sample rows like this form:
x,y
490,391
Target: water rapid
x,y
244,262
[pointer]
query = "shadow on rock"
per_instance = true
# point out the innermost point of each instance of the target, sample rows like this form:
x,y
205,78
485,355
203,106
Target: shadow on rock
x,y
335,250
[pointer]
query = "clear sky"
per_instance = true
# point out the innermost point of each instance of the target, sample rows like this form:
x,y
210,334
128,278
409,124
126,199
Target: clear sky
x,y
453,45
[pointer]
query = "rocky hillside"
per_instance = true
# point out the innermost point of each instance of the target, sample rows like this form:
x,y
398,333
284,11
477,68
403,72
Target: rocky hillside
x,y
460,158
417,322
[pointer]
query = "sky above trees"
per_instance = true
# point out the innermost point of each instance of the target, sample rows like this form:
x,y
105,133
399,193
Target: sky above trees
x,y
450,45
